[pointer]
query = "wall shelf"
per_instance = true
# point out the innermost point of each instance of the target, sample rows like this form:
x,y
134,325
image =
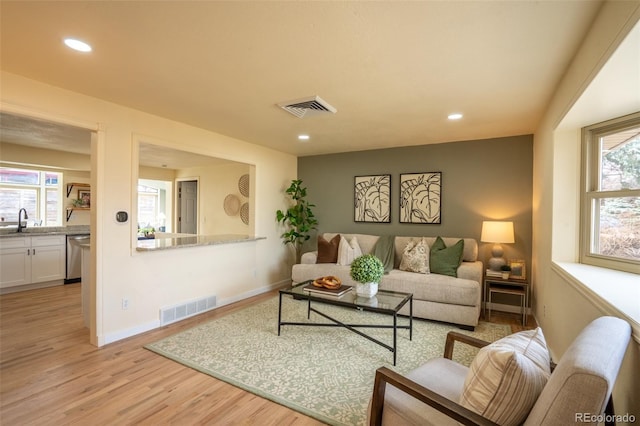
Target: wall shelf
x,y
70,186
70,211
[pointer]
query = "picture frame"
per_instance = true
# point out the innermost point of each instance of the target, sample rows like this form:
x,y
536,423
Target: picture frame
x,y
85,196
372,198
420,197
518,269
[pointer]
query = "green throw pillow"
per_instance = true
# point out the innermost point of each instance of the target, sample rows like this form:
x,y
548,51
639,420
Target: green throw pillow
x,y
445,260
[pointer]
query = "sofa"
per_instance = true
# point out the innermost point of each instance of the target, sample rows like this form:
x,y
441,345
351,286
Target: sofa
x,y
436,297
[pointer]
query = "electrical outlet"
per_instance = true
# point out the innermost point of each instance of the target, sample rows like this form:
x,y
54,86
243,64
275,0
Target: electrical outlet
x,y
125,304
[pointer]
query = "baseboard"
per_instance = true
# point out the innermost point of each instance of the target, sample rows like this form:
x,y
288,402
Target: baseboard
x,y
123,334
142,328
254,292
35,286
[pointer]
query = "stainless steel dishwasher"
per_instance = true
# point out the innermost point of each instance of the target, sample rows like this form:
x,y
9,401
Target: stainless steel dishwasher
x,y
74,257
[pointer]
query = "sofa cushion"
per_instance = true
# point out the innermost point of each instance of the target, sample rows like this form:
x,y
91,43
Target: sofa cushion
x,y
328,250
506,378
445,260
416,257
348,250
433,287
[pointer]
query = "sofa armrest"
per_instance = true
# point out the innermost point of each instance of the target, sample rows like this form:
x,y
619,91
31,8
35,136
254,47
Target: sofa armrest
x,y
309,258
471,271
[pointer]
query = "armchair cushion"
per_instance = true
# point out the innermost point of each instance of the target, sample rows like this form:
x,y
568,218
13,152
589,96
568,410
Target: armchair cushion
x,y
507,376
440,375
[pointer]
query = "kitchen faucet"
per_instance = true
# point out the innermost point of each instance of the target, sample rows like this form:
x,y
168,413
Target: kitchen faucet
x,y
20,220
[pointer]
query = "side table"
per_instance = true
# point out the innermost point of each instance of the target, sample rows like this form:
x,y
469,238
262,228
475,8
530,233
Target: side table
x,y
514,286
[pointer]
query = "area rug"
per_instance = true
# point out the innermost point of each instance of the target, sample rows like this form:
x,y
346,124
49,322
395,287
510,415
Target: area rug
x,y
324,372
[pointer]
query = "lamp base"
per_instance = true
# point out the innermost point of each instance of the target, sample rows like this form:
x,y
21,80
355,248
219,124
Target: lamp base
x,y
497,261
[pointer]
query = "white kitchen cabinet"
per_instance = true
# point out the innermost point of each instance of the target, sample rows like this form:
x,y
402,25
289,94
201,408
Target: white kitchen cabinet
x,y
29,260
48,255
15,263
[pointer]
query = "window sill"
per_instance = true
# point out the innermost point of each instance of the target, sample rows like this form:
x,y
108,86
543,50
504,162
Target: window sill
x,y
615,293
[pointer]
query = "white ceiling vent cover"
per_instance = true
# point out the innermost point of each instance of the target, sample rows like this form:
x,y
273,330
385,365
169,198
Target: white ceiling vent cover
x,y
307,107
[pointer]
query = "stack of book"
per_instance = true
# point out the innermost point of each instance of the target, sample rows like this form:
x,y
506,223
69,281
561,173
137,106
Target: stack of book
x,y
490,273
326,291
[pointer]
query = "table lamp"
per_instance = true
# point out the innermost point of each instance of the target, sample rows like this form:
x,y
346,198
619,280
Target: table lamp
x,y
497,232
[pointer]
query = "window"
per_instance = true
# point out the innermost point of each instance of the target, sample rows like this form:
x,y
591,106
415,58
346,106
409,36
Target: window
x,y
36,191
148,202
154,205
610,222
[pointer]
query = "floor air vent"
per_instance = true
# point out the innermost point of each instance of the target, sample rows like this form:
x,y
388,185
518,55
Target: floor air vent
x,y
187,309
307,107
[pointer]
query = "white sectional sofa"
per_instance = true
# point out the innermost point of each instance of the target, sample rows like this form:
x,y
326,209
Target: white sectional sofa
x,y
437,297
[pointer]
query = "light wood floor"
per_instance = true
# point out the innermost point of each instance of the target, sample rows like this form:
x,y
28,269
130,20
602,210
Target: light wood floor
x,y
50,374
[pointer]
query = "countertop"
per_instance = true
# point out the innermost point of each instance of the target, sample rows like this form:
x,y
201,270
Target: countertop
x,y
194,241
45,230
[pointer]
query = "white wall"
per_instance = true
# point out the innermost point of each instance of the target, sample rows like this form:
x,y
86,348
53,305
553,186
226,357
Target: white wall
x,y
153,280
561,309
216,182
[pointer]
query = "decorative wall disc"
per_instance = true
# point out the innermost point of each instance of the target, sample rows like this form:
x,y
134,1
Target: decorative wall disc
x,y
243,185
244,213
231,205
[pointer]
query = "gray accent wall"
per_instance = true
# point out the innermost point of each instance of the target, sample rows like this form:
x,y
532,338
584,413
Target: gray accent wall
x,y
489,179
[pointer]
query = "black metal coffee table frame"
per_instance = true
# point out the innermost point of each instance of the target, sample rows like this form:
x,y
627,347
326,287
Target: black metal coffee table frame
x,y
350,300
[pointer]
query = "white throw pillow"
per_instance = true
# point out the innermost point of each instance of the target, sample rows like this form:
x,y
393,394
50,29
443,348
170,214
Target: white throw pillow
x,y
506,377
415,257
348,251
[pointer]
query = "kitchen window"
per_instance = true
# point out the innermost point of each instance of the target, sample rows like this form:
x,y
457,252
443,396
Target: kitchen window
x,y
610,223
38,191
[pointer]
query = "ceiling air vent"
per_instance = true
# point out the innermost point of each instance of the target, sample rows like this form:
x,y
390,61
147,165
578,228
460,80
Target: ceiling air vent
x,y
307,107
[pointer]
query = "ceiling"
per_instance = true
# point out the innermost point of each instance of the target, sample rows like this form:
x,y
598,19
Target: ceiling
x,y
393,70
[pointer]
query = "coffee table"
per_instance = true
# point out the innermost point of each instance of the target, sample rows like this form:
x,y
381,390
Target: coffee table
x,y
384,302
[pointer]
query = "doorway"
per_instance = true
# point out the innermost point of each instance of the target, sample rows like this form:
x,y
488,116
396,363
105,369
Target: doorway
x,y
54,143
187,207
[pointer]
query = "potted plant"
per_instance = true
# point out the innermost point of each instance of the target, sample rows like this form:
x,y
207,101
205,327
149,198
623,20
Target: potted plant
x,y
367,271
506,271
299,218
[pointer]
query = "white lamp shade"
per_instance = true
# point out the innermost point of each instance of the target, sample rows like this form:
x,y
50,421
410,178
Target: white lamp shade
x,y
497,232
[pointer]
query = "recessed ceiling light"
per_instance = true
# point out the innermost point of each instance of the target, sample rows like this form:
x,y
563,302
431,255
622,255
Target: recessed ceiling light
x,y
456,116
303,137
78,45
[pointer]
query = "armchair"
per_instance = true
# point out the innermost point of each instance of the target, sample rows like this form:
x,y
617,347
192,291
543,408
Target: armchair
x,y
581,382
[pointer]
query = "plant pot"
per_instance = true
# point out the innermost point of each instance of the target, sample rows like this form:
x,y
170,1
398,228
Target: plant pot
x,y
366,289
505,275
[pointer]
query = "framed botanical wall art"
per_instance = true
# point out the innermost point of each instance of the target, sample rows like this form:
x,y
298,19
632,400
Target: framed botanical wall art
x,y
420,197
372,198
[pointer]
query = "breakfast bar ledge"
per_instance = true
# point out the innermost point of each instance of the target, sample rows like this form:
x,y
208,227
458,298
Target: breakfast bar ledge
x,y
168,243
